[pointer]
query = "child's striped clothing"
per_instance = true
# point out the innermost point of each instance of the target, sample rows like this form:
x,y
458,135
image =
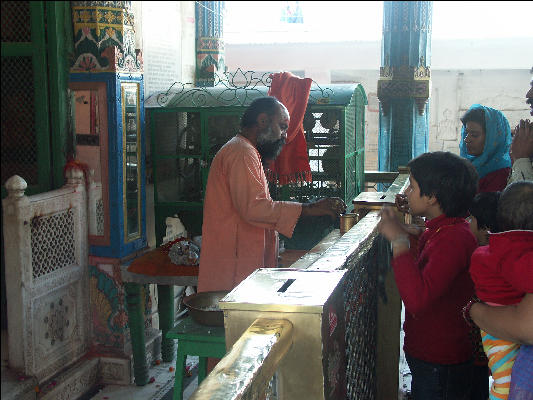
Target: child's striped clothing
x,y
501,355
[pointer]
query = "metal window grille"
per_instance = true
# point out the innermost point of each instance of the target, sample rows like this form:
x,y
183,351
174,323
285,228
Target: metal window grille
x,y
19,144
15,19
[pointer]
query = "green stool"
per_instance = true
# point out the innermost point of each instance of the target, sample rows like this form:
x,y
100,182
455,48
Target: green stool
x,y
195,340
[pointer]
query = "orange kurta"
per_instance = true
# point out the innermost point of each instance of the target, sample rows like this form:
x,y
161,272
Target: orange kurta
x,y
241,221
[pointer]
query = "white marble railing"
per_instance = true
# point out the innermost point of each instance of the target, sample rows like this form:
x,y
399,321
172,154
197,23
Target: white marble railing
x,y
46,257
96,209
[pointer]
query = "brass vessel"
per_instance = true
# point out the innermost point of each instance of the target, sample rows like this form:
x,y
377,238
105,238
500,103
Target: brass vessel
x,y
347,221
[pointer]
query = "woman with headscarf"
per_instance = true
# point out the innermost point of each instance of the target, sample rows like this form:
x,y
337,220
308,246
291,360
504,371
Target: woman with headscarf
x,y
485,141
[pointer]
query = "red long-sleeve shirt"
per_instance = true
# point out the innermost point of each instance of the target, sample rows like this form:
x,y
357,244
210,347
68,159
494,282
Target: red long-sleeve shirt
x,y
503,271
494,181
434,285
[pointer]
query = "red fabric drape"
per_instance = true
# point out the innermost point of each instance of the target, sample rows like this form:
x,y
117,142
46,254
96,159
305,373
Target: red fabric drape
x,y
72,163
292,165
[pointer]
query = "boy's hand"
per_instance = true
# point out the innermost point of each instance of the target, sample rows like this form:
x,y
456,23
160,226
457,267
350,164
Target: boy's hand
x,y
394,231
389,226
401,203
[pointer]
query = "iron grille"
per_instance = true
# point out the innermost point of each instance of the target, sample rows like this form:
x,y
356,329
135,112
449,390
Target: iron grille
x,y
351,189
323,130
19,144
221,128
360,307
177,153
350,128
15,19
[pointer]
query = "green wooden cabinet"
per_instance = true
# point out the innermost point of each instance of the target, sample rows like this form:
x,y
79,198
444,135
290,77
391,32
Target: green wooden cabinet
x,y
188,126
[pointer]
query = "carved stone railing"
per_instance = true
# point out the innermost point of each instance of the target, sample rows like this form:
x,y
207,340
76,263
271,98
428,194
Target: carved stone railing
x,y
372,309
46,257
96,209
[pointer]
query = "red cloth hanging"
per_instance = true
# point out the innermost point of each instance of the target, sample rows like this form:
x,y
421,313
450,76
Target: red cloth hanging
x,y
292,164
72,163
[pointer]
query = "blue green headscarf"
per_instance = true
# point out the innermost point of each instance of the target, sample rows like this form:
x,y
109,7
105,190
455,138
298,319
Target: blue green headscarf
x,y
498,138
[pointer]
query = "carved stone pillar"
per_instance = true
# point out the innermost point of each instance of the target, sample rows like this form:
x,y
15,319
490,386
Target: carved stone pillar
x,y
209,42
404,85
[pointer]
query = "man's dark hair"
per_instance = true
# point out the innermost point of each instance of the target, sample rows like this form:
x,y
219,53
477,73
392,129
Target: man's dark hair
x,y
515,208
269,105
484,207
474,115
448,177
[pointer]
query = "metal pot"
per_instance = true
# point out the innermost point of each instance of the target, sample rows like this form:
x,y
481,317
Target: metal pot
x,y
201,308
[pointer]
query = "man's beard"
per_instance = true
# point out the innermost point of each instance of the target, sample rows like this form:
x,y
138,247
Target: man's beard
x,y
269,149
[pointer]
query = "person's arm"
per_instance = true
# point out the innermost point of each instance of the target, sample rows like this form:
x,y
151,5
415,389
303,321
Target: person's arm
x,y
513,323
249,196
250,199
332,206
419,289
521,152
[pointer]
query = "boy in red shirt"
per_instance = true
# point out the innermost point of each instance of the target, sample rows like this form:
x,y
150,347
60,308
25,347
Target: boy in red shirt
x,y
434,283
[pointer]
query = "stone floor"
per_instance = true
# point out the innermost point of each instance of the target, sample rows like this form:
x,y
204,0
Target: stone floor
x,y
160,389
404,381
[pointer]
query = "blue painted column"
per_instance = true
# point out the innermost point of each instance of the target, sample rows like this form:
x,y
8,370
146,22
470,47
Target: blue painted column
x,y
404,84
209,42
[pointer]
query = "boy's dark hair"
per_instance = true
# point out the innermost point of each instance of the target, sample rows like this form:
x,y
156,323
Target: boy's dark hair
x,y
515,208
448,177
474,115
269,105
484,207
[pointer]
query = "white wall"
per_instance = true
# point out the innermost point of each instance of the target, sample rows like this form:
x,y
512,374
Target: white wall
x,y
495,73
166,32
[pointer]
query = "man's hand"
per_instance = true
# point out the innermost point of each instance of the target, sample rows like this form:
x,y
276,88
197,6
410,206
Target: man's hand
x,y
522,144
332,206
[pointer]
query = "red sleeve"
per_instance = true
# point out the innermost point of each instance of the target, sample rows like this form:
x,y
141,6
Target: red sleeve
x,y
520,273
448,255
495,181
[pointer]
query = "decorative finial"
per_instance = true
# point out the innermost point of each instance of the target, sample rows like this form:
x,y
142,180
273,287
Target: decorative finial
x,y
16,186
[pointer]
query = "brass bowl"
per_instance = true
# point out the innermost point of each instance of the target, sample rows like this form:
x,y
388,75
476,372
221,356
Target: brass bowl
x,y
202,307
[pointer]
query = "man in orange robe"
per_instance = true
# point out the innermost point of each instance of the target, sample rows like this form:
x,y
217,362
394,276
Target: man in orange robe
x,y
241,221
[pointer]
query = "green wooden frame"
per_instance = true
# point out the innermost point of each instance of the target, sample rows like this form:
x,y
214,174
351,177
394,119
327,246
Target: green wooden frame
x,y
51,98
